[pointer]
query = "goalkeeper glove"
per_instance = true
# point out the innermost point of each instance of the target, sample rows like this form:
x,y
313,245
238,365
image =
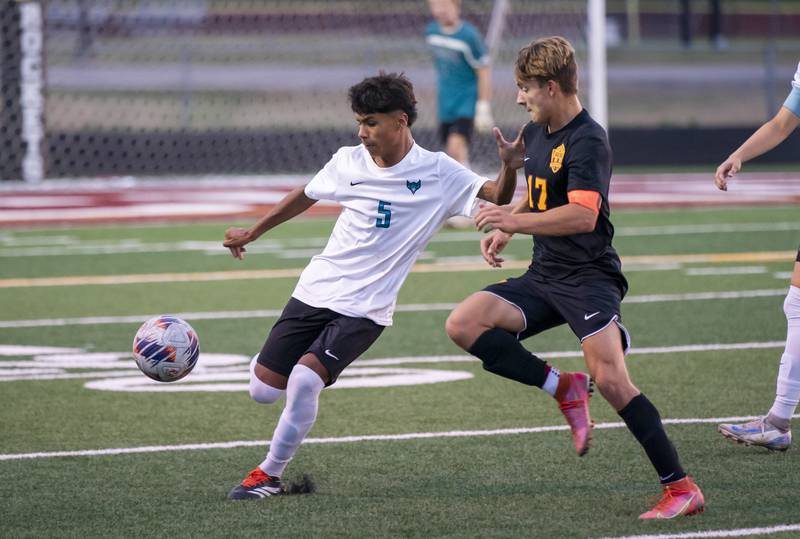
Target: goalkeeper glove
x,y
483,117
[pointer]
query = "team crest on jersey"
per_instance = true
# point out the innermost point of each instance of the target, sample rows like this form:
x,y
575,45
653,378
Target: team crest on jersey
x,y
413,186
556,158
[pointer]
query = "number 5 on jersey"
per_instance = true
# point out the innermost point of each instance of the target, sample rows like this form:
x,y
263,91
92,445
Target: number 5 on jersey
x,y
540,185
385,217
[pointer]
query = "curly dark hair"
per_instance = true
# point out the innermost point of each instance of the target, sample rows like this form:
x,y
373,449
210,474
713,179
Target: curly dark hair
x,y
386,92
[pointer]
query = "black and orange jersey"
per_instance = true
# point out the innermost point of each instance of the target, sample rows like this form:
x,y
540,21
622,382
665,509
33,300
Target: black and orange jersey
x,y
577,157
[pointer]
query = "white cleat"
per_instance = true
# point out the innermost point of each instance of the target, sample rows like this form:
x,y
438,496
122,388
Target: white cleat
x,y
757,432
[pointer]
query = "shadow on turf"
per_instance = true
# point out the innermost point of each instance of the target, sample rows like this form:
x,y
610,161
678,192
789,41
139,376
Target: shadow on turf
x,y
305,485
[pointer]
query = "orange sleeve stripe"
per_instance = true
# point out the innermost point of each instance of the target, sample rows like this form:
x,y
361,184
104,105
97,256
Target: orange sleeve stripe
x,y
587,199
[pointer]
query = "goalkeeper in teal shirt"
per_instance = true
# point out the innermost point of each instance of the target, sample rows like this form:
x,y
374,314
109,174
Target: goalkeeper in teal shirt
x,y
464,78
773,430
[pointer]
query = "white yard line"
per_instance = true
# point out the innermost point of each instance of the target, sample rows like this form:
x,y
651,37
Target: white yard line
x,y
737,532
410,307
347,439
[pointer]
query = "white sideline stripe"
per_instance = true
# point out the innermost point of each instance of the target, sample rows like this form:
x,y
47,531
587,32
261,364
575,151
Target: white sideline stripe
x,y
69,245
738,532
695,296
407,308
66,245
349,439
727,270
10,372
577,353
436,267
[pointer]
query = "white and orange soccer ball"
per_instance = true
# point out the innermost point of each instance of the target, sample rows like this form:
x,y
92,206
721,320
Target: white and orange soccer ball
x,y
166,348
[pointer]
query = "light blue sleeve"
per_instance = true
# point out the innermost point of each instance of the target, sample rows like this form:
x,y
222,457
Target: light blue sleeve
x,y
793,101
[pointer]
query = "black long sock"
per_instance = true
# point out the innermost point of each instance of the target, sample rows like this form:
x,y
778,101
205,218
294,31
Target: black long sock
x,y
503,354
644,422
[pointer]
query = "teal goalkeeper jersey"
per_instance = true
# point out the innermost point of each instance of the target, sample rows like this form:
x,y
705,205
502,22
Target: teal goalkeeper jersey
x,y
456,57
793,101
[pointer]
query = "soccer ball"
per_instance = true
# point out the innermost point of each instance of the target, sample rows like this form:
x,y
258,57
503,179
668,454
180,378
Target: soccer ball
x,y
166,348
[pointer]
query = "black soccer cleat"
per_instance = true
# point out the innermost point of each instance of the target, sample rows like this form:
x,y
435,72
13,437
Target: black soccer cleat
x,y
257,485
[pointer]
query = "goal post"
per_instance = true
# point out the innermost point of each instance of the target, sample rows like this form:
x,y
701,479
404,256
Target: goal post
x,y
22,89
596,45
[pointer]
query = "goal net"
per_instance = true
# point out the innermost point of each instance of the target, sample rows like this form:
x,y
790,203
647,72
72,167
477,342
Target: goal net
x,y
185,87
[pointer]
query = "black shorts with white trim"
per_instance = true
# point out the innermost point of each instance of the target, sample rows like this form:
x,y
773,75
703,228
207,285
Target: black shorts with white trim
x,y
588,307
337,340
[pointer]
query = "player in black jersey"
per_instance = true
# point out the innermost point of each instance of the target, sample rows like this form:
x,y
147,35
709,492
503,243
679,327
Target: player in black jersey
x,y
575,276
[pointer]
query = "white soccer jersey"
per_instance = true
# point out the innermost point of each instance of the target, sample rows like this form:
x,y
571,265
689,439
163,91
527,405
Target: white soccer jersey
x,y
388,216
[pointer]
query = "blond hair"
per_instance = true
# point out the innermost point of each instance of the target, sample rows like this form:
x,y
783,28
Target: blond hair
x,y
548,58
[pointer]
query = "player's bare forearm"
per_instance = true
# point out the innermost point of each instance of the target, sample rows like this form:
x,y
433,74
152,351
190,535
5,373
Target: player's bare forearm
x,y
484,83
500,191
293,204
768,135
561,221
521,206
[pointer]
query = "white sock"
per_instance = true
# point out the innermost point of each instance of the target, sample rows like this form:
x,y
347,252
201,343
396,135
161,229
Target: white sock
x,y
787,393
551,382
302,398
259,391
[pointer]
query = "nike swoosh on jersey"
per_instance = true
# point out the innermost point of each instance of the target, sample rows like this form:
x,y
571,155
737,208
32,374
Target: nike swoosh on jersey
x,y
588,316
328,352
356,183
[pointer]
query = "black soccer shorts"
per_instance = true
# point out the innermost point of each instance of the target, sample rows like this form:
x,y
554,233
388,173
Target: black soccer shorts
x,y
337,340
588,308
461,126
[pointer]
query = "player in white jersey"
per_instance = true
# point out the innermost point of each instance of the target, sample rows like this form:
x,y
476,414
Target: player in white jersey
x,y
394,196
773,430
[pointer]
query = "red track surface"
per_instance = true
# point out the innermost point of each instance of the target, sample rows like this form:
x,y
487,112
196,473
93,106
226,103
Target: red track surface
x,y
70,203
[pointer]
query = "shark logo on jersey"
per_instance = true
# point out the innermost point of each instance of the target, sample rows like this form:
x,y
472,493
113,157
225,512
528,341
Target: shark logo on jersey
x,y
556,158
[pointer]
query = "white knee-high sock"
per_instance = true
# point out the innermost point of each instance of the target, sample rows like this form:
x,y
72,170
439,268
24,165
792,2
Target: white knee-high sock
x,y
302,398
259,391
787,394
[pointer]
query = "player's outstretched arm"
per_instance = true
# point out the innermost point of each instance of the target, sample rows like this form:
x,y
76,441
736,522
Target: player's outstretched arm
x,y
561,221
512,154
763,140
293,204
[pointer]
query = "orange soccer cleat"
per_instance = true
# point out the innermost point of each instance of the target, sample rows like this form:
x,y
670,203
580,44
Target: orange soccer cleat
x,y
573,393
680,498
